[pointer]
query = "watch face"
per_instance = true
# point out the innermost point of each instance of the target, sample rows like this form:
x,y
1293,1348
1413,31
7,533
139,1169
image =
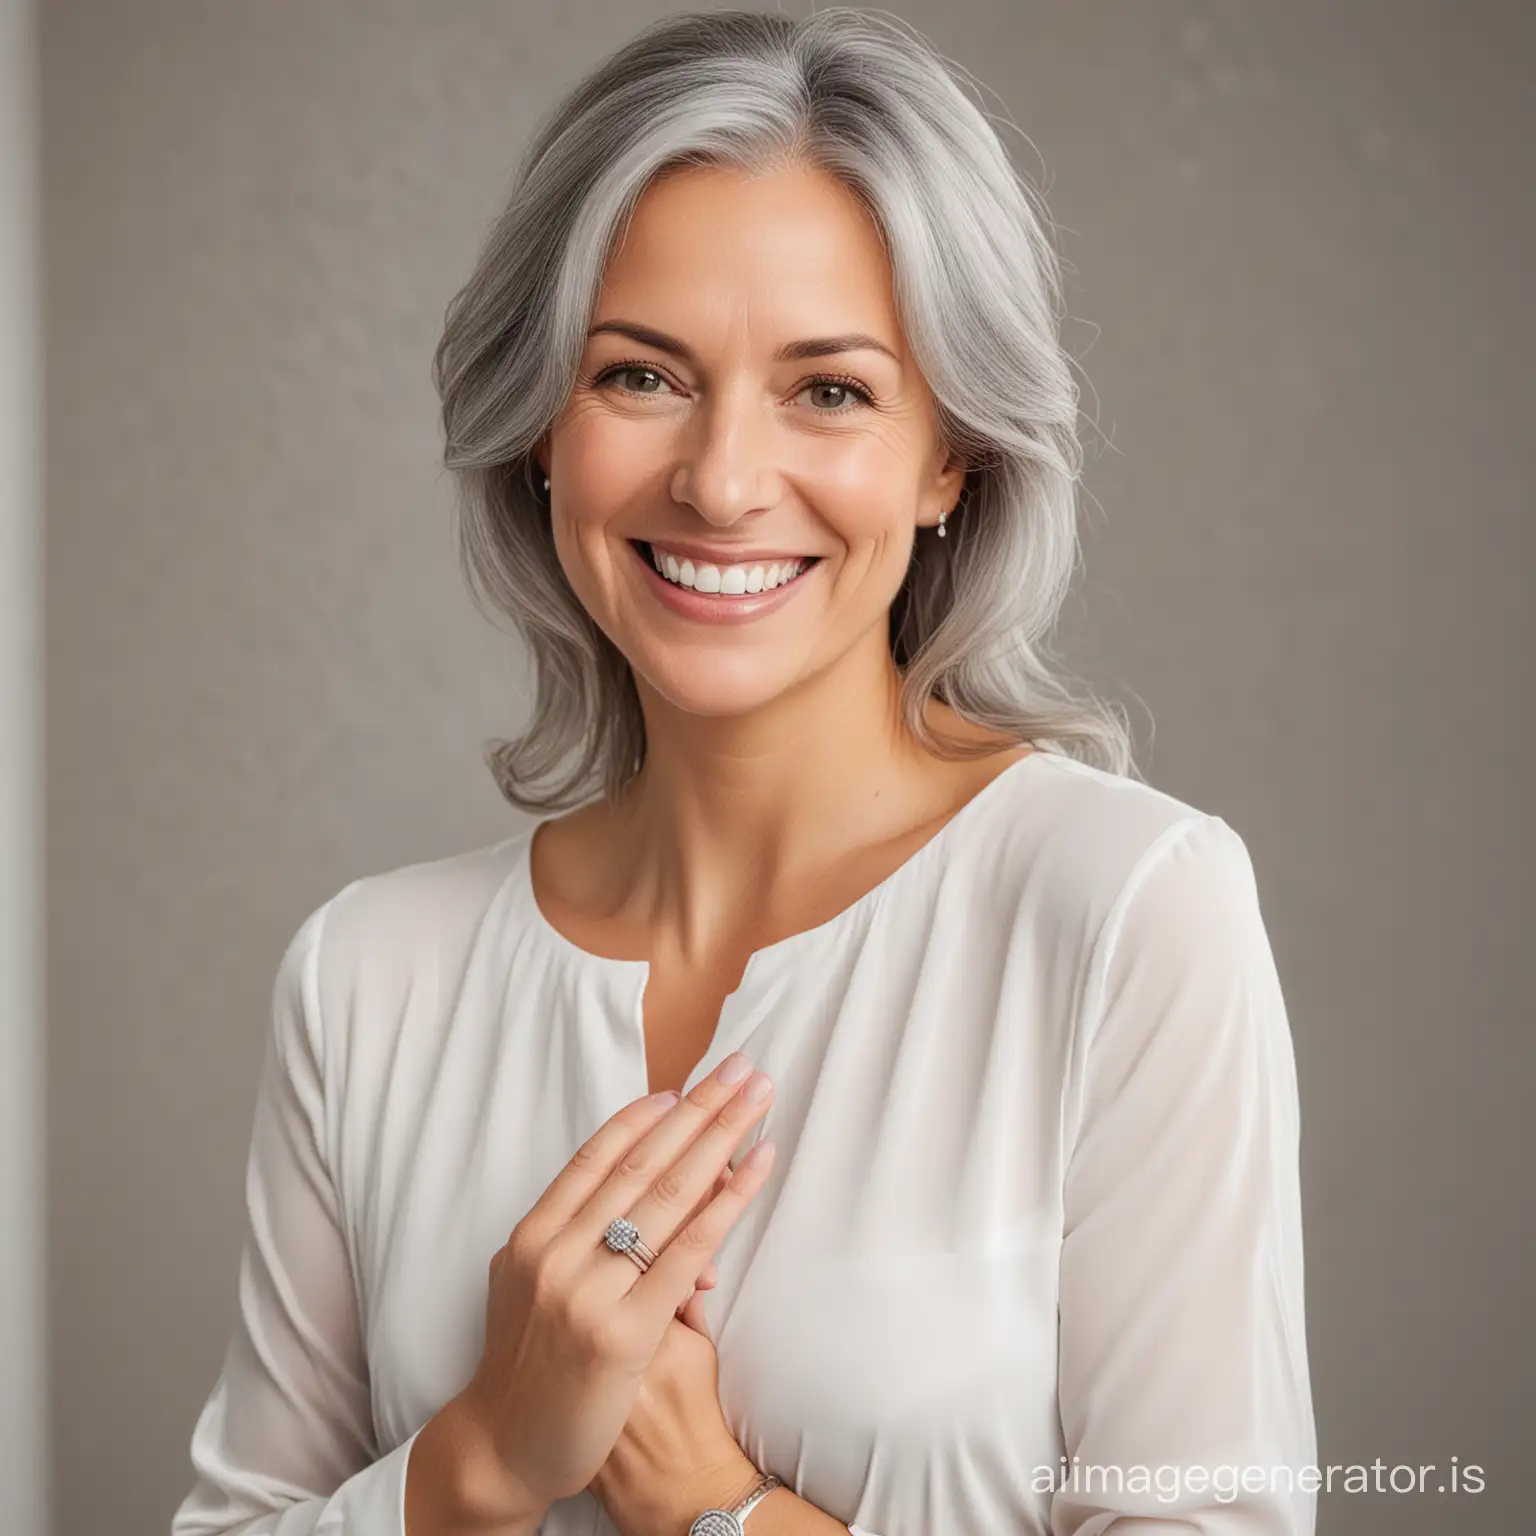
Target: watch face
x,y
716,1522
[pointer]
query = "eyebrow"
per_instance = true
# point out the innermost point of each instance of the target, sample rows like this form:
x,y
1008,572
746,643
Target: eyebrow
x,y
794,351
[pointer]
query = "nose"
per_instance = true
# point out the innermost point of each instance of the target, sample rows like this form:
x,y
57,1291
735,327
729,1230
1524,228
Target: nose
x,y
726,468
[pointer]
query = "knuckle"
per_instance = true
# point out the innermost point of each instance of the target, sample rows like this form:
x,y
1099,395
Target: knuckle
x,y
633,1165
525,1244
548,1287
694,1238
576,1310
668,1188
737,1112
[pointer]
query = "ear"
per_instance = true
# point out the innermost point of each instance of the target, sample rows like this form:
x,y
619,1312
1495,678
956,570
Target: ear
x,y
944,489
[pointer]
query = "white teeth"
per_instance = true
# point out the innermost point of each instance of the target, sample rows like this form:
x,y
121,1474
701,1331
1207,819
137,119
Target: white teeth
x,y
727,581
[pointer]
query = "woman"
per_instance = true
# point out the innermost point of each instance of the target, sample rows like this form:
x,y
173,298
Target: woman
x,y
767,444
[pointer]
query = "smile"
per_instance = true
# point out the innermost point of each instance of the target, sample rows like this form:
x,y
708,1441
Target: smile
x,y
725,580
721,594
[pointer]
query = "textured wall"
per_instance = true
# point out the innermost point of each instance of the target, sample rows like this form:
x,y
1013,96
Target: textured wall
x,y
1300,235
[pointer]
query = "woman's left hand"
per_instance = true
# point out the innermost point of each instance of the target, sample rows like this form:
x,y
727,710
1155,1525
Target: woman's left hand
x,y
676,1455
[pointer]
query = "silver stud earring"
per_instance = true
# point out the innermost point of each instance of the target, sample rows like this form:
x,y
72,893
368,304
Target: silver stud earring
x,y
942,516
546,484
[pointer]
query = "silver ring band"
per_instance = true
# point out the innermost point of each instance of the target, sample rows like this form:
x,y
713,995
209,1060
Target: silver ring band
x,y
623,1236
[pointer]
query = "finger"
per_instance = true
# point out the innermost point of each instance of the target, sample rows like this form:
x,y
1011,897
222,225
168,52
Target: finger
x,y
681,1261
710,1193
711,1276
669,1149
668,1205
692,1313
593,1161
721,1179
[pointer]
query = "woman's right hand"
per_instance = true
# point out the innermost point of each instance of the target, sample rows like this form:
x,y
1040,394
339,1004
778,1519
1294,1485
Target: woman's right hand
x,y
571,1326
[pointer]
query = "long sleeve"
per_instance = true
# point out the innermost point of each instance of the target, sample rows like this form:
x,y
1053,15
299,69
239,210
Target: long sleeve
x,y
285,1444
1183,1377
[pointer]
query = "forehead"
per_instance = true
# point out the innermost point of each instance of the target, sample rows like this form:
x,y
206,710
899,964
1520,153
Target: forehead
x,y
790,251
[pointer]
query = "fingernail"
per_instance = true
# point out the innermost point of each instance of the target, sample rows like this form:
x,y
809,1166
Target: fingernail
x,y
734,1068
757,1090
667,1097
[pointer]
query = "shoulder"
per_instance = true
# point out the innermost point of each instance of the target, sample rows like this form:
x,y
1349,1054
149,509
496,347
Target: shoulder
x,y
1072,845
392,934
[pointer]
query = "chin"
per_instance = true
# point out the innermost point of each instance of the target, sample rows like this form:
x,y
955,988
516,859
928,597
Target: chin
x,y
716,687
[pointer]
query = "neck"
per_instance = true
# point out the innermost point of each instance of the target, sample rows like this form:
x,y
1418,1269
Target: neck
x,y
728,814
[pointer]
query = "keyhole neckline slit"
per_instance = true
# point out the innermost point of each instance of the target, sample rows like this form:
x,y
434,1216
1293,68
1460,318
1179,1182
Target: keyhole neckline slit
x,y
780,949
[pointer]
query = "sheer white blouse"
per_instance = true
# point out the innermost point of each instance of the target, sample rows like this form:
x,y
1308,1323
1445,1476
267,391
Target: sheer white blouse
x,y
1029,1259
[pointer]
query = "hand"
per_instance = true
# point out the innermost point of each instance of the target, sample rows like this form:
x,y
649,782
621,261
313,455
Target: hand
x,y
571,1327
676,1443
677,1455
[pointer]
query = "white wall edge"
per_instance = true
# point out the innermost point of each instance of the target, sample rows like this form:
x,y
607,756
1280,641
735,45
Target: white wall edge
x,y
23,1332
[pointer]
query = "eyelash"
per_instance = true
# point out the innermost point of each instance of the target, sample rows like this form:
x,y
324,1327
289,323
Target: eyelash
x,y
842,381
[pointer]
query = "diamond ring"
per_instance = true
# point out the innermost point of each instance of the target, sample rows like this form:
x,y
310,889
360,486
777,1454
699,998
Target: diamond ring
x,y
623,1236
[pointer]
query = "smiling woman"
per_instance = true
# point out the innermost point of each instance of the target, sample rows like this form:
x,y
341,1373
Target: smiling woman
x,y
769,309
791,266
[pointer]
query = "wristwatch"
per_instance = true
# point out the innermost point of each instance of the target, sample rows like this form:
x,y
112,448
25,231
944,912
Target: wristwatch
x,y
730,1522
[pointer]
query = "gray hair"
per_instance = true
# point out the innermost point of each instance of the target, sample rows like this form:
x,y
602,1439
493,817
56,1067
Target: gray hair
x,y
862,96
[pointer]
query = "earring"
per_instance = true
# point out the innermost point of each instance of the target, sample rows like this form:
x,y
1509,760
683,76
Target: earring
x,y
546,484
942,516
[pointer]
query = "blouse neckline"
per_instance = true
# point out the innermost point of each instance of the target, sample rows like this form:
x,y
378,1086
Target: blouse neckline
x,y
780,949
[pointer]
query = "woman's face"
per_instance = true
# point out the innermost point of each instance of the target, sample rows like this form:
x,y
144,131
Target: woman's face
x,y
693,428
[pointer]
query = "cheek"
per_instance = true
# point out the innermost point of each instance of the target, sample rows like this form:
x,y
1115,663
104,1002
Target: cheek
x,y
869,498
591,487
598,473
876,532
586,553
606,455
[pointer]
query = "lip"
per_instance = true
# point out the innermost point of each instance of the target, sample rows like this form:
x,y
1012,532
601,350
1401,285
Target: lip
x,y
709,608
727,556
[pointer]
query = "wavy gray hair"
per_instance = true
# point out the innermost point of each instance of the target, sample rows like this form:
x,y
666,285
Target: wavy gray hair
x,y
862,96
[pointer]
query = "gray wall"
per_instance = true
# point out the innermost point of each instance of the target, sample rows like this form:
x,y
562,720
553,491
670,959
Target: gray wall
x,y
1299,235
23,1366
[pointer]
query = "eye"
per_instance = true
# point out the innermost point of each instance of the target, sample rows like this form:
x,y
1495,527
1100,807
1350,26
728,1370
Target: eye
x,y
849,394
848,388
618,370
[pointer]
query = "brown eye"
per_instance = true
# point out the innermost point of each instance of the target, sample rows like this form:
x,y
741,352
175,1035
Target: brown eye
x,y
629,370
845,390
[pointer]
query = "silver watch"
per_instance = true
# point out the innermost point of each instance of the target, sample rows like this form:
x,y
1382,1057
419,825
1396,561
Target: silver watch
x,y
731,1522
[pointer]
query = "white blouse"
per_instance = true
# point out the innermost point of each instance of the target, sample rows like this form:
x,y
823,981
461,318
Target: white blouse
x,y
1029,1257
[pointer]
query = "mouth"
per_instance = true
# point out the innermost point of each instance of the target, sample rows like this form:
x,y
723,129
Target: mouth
x,y
728,608
762,572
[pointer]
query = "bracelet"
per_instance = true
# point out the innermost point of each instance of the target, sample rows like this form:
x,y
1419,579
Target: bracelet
x,y
730,1522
